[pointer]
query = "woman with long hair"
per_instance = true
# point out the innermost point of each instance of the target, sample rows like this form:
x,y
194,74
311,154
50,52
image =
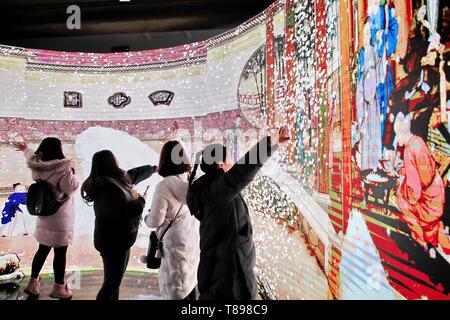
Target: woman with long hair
x,y
227,257
118,210
49,164
180,254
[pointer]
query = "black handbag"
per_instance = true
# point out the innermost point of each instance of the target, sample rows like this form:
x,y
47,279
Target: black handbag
x,y
156,246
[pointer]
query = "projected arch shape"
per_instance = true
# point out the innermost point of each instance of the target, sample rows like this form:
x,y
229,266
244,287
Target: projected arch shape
x,y
252,88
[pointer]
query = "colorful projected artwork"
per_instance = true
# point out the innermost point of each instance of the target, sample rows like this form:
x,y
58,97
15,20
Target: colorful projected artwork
x,y
358,202
252,89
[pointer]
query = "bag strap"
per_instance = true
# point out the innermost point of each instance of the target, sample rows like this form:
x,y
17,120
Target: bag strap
x,y
165,231
181,207
65,196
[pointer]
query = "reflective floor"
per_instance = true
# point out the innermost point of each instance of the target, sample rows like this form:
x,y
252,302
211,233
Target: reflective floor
x,y
85,286
284,263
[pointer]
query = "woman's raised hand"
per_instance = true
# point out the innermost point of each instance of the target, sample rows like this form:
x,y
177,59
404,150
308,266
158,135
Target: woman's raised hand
x,y
281,136
20,146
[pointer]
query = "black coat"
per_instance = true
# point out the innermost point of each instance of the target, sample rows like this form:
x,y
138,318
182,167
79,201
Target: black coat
x,y
227,258
116,219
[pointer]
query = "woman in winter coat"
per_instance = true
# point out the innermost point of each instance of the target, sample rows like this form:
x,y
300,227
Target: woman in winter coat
x,y
227,257
181,250
118,210
49,164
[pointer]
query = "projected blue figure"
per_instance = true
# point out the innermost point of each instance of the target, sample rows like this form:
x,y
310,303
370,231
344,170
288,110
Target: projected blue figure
x,y
384,37
13,221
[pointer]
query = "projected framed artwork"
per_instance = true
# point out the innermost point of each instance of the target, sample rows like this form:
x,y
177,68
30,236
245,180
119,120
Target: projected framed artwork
x,y
119,100
73,99
252,90
163,97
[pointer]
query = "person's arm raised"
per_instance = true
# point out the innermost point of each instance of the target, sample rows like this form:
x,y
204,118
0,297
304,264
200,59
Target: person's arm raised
x,y
141,173
23,147
243,172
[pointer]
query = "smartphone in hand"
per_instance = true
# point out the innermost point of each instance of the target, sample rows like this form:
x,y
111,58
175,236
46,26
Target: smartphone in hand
x,y
144,195
145,192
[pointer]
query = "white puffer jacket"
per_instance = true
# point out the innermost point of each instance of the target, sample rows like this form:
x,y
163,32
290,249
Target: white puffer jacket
x,y
181,244
55,230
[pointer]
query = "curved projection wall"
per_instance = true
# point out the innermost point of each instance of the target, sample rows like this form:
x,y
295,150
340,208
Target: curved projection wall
x,y
356,206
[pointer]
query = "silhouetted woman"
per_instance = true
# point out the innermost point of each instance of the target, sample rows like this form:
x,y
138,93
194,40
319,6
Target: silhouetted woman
x,y
118,210
227,257
180,255
49,164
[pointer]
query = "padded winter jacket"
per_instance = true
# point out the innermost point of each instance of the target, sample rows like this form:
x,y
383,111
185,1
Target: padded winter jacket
x,y
227,257
117,215
56,230
177,275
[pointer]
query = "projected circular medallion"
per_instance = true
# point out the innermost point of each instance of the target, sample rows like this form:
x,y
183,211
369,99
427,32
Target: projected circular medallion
x,y
253,84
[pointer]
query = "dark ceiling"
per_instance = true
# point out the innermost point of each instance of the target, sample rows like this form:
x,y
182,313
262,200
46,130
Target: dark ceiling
x,y
133,25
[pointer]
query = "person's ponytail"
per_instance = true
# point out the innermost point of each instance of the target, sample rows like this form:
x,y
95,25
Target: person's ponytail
x,y
198,157
208,160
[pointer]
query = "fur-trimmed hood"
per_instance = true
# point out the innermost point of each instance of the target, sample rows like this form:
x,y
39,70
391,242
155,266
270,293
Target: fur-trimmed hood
x,y
56,230
45,169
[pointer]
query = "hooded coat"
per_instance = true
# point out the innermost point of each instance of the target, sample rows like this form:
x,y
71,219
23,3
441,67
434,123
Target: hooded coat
x,y
227,257
181,249
55,230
